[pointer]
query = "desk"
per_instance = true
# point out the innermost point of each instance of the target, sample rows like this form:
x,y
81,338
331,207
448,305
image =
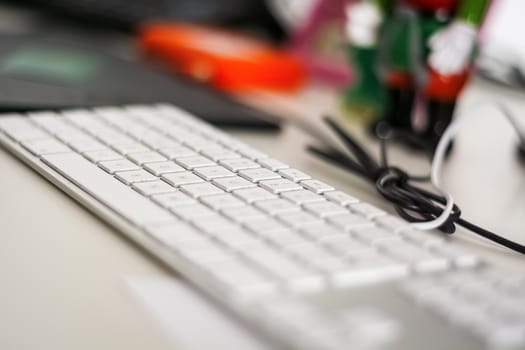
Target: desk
x,y
61,268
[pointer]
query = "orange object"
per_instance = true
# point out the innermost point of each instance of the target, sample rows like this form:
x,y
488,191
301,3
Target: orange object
x,y
225,59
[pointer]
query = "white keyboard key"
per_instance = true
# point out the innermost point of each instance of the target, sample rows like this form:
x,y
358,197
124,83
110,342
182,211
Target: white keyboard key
x,y
275,206
41,147
133,147
192,211
153,187
391,222
374,234
112,166
213,224
238,164
209,173
146,157
349,221
279,185
181,178
201,189
251,153
15,122
367,210
265,226
272,164
320,231
98,156
133,176
293,174
50,122
194,162
282,239
206,254
256,175
316,186
222,201
421,238
298,219
219,153
174,199
81,142
459,257
340,198
302,197
367,267
344,245
325,208
161,168
251,195
157,142
243,214
232,183
177,151
114,194
419,259
308,252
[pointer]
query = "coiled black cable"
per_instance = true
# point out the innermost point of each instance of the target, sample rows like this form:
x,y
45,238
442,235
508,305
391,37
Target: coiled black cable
x,y
413,203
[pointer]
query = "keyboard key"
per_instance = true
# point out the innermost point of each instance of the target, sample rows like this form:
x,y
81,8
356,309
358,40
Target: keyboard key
x,y
348,221
133,176
275,206
340,198
279,185
153,187
201,189
344,245
160,168
146,157
265,226
322,230
325,208
374,234
233,183
251,195
41,147
173,199
293,174
132,147
238,164
97,156
251,153
366,267
173,232
243,214
302,196
272,164
222,201
112,166
316,186
298,219
258,174
181,178
194,162
177,151
219,153
419,259
213,172
367,210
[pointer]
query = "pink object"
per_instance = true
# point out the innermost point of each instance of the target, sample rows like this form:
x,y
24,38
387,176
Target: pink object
x,y
330,68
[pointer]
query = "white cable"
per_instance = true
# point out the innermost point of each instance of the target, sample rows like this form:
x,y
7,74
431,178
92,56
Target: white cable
x,y
439,156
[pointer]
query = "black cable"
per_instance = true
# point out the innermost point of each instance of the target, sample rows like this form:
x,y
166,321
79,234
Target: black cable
x,y
411,202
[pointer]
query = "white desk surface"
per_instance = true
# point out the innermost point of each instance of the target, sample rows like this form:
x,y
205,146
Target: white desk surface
x,y
62,269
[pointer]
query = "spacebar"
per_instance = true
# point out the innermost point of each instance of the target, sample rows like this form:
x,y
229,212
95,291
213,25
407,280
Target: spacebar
x,y
114,194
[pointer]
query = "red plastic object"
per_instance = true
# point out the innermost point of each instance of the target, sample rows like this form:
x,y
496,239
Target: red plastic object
x,y
225,59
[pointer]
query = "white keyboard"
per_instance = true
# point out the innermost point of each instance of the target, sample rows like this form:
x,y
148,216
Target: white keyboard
x,y
308,265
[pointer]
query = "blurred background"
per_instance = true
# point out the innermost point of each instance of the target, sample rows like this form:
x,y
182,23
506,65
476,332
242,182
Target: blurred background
x,y
74,53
